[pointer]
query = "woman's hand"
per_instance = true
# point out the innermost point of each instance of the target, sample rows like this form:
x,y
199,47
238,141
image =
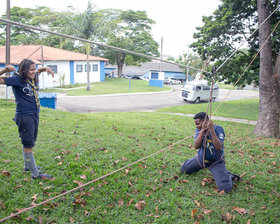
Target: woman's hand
x,y
46,69
50,71
8,68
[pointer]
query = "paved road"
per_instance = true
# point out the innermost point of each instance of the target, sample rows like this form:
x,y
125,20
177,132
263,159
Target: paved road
x,y
137,102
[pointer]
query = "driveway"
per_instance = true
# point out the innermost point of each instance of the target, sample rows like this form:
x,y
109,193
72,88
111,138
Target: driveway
x,y
138,101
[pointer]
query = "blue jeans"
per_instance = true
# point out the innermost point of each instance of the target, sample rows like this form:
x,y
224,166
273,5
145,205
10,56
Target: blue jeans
x,y
217,168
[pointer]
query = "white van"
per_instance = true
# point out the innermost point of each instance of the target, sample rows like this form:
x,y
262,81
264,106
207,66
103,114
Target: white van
x,y
196,91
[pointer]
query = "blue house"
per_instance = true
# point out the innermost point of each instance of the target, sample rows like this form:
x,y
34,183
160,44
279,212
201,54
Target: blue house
x,y
151,70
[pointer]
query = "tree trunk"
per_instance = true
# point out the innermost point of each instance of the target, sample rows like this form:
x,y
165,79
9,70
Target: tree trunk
x,y
120,62
268,122
276,75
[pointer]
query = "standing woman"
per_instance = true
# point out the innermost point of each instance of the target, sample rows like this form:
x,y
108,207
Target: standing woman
x,y
25,85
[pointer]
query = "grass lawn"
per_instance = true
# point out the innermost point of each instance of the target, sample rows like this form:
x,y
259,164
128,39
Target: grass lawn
x,y
242,109
77,148
226,86
111,86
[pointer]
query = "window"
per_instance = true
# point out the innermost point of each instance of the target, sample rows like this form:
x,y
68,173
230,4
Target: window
x,y
206,87
53,67
86,68
154,75
79,68
94,67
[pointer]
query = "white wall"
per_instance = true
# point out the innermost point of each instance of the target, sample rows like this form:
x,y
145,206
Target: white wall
x,y
63,68
81,77
161,75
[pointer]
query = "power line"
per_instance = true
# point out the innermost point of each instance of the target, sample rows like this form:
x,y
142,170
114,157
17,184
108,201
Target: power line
x,y
7,21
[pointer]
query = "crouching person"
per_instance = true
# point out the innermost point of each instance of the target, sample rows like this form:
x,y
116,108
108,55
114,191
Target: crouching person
x,y
210,153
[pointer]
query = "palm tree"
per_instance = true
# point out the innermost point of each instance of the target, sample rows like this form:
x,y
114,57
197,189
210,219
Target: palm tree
x,y
82,25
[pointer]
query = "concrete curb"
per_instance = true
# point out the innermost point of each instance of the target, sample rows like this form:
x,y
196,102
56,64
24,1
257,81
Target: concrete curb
x,y
60,95
236,120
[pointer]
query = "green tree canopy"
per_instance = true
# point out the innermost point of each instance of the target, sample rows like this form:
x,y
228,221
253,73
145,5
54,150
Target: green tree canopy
x,y
132,32
42,17
231,24
192,60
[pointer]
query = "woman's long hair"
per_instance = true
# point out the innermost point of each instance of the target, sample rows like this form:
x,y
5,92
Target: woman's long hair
x,y
23,68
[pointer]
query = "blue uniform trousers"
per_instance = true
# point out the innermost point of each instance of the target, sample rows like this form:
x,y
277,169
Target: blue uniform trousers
x,y
216,167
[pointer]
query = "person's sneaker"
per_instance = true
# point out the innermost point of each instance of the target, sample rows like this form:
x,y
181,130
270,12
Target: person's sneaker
x,y
234,177
27,169
42,177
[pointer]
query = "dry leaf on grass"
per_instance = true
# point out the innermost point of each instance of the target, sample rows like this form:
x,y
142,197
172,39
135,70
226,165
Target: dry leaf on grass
x,y
183,181
130,201
34,197
2,205
179,205
83,177
140,205
194,211
197,203
5,173
207,180
80,183
121,202
207,211
241,211
18,186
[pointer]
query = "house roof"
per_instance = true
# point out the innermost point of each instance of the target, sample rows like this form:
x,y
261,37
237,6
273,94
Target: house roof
x,y
34,52
147,67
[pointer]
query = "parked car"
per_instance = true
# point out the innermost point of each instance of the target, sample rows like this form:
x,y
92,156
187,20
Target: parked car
x,y
138,77
196,91
170,81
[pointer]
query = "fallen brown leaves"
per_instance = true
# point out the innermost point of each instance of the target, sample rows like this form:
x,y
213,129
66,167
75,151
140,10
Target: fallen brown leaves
x,y
83,177
129,203
2,205
5,173
194,211
18,186
228,217
241,211
80,183
207,211
121,202
140,205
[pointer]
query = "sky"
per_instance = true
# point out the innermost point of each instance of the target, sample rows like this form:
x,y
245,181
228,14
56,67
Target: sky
x,y
175,20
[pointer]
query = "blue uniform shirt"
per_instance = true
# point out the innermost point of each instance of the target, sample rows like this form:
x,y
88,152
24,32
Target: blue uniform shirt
x,y
25,97
211,153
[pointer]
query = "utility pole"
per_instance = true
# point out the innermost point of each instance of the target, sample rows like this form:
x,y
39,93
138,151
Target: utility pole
x,y
188,62
8,30
42,60
88,77
161,47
